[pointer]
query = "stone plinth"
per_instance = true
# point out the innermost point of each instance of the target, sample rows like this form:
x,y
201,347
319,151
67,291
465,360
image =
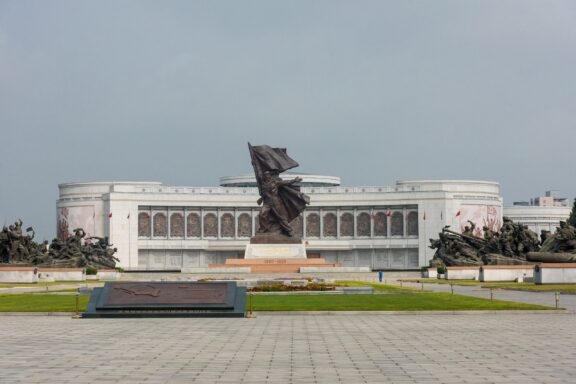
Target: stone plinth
x,y
330,269
462,273
61,274
275,251
506,272
218,269
560,273
18,275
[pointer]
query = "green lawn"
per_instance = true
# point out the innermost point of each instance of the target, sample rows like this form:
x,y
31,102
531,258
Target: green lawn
x,y
41,303
565,288
400,302
425,301
376,286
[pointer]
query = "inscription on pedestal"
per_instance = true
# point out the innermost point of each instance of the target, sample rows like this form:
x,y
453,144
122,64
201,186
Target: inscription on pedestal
x,y
275,251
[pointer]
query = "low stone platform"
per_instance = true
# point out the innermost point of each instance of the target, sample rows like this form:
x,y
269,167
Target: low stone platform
x,y
517,273
463,273
555,273
276,265
334,269
18,275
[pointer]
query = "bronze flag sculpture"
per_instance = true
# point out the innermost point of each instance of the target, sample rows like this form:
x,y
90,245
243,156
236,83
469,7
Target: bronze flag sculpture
x,y
281,200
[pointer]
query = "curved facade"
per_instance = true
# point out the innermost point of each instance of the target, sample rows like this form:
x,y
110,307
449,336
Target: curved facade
x,y
157,227
307,180
538,218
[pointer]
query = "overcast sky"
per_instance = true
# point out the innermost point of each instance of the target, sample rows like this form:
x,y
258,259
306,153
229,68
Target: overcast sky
x,y
371,91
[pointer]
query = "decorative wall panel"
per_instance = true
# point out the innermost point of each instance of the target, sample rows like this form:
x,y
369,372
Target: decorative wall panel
x,y
160,225
193,225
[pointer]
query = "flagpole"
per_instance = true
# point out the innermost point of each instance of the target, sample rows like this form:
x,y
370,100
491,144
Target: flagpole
x,y
129,243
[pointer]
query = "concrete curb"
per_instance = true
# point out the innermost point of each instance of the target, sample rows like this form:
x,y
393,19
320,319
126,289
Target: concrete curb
x,y
345,313
69,314
412,313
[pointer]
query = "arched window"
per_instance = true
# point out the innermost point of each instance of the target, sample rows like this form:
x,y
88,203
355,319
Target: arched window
x,y
330,226
176,225
397,224
347,225
363,224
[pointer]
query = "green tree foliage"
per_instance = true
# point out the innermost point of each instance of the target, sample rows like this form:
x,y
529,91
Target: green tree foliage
x,y
572,219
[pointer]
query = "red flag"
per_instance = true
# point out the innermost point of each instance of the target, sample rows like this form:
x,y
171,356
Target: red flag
x,y
424,216
389,213
458,213
110,215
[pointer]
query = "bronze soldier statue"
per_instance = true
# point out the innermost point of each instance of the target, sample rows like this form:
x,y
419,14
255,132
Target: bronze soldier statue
x,y
282,201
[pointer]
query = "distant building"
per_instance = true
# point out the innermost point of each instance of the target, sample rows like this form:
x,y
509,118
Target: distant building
x,y
540,213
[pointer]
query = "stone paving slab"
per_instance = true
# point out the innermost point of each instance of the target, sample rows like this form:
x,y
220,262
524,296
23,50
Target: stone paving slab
x,y
292,349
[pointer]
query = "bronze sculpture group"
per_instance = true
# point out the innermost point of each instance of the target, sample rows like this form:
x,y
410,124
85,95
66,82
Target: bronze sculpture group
x,y
77,251
513,244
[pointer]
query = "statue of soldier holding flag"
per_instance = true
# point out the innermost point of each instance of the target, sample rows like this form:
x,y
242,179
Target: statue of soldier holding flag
x,y
281,200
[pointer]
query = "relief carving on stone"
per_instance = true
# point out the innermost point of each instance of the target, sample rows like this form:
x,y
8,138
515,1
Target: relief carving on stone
x,y
347,224
244,225
193,225
412,224
160,225
298,226
381,224
227,224
330,225
176,225
397,224
313,225
144,224
363,224
210,225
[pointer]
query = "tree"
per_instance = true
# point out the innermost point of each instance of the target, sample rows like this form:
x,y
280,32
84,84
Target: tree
x,y
572,218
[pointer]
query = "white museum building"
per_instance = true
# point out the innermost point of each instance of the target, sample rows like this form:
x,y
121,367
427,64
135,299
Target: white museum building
x,y
158,227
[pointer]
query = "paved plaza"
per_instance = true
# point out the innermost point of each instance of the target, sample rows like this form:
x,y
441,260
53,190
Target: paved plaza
x,y
501,348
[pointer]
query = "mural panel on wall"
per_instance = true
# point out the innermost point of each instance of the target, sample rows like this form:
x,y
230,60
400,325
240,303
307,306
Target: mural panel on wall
x,y
363,224
227,224
193,225
381,224
160,225
347,224
244,225
176,225
330,225
144,224
481,215
313,225
70,218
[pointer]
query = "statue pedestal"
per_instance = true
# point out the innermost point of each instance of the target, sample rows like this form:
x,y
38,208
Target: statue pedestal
x,y
275,251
